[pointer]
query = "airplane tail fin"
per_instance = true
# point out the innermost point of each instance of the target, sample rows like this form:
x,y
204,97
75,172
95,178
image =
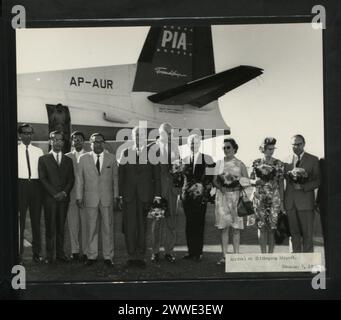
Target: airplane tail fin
x,y
173,56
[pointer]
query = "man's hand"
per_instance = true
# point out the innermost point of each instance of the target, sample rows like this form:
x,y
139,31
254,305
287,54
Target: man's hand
x,y
120,203
282,206
157,199
298,186
60,196
117,204
80,203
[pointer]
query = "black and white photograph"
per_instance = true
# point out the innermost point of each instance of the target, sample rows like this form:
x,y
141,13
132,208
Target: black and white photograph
x,y
170,152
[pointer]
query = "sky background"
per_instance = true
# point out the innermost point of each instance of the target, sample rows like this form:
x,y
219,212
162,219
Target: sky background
x,y
287,99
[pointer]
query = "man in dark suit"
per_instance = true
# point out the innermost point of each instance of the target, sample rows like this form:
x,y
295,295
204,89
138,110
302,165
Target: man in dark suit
x,y
56,174
299,199
165,229
197,170
139,185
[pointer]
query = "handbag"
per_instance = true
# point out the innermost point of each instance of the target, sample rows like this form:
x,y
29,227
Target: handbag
x,y
282,232
245,205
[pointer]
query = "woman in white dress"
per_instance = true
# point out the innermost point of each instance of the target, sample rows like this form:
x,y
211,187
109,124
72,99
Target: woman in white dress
x,y
227,181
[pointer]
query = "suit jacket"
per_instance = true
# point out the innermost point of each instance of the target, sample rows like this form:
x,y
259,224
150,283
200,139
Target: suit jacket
x,y
199,175
54,178
93,187
167,159
140,180
303,199
72,156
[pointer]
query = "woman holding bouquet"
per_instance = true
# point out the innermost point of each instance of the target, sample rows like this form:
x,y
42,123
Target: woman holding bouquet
x,y
268,175
228,179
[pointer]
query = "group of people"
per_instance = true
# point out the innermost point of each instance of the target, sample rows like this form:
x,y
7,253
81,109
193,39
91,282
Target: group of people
x,y
80,186
278,188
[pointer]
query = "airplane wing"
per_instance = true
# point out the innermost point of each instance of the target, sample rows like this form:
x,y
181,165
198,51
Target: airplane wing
x,y
202,91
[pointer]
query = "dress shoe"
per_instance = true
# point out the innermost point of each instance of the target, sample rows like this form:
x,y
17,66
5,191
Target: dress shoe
x,y
48,261
169,258
187,257
37,258
131,263
140,263
90,262
155,258
108,263
197,258
221,261
63,259
75,257
83,258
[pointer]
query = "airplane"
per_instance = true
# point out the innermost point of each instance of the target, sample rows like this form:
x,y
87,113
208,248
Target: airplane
x,y
173,81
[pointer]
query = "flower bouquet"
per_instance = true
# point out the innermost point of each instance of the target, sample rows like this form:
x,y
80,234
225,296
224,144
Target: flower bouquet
x,y
157,210
228,180
265,172
298,175
196,190
177,171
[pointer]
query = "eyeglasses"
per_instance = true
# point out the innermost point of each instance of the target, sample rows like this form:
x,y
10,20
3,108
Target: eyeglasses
x,y
297,144
227,148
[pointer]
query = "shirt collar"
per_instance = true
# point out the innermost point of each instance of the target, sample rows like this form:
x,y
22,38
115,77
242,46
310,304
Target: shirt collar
x,y
22,145
301,155
101,155
79,153
55,154
140,148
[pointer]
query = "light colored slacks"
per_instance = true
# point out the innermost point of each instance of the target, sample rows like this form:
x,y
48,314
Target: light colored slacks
x,y
106,230
76,220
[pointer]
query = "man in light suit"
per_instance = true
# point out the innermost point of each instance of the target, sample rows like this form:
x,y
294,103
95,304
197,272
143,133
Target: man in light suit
x,y
76,216
168,152
300,198
96,188
139,185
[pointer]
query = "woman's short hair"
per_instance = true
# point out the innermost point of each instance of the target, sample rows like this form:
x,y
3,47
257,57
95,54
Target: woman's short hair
x,y
268,141
233,144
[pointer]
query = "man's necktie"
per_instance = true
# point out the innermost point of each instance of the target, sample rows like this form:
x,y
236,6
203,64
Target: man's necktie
x,y
192,162
28,163
98,166
298,162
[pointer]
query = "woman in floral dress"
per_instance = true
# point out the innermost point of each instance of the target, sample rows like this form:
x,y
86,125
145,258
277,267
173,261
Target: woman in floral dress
x,y
227,181
268,197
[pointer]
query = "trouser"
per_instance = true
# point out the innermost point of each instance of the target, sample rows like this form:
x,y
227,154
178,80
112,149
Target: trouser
x,y
55,217
165,229
135,226
77,229
301,223
195,225
107,230
29,197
